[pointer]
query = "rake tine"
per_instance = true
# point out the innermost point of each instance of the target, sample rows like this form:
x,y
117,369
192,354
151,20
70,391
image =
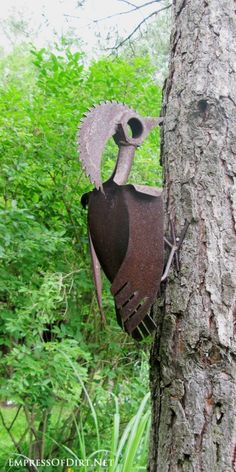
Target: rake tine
x,y
140,332
152,320
146,327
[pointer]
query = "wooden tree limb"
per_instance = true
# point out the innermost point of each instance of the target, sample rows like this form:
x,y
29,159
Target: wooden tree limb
x,y
137,28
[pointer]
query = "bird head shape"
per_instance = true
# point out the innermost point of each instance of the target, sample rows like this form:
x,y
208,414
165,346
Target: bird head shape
x,y
106,120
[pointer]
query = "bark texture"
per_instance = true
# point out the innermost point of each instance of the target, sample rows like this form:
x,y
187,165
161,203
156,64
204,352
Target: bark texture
x,y
193,360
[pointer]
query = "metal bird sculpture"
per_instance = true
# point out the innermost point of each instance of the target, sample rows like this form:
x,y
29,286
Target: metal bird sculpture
x,y
125,221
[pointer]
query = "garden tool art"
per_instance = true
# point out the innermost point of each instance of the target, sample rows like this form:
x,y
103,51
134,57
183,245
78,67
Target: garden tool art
x,y
125,221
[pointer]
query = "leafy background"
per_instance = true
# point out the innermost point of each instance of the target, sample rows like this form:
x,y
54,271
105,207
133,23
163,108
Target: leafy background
x,y
69,385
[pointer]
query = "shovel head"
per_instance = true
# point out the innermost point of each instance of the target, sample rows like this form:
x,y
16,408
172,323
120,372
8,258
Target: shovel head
x,y
126,227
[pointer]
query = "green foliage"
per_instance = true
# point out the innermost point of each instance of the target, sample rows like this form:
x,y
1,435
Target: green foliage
x,y
48,310
153,40
124,451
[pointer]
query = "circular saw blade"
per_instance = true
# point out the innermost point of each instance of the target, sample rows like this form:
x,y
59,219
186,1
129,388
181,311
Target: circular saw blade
x,y
98,125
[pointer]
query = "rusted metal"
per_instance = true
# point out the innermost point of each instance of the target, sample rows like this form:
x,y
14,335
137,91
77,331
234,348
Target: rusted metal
x,y
126,229
125,221
101,123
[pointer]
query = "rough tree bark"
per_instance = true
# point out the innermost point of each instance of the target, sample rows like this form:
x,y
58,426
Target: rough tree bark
x,y
193,360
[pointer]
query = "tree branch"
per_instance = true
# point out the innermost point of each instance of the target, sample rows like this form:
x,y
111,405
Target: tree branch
x,y
15,417
154,13
71,16
30,422
30,467
128,3
135,8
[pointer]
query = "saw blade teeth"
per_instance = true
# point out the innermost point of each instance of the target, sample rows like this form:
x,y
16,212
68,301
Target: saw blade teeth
x,y
89,152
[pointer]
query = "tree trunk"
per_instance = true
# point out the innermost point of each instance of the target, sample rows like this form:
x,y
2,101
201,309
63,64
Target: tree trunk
x,y
193,360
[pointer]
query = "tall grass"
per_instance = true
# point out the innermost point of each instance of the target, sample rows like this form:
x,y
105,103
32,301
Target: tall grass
x,y
125,450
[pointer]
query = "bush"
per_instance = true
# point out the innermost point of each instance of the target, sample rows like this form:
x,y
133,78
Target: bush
x,y
48,308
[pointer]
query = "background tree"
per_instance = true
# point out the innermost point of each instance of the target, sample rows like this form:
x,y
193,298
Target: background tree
x,y
193,359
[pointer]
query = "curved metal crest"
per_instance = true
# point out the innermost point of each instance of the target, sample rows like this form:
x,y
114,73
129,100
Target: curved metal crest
x,y
99,124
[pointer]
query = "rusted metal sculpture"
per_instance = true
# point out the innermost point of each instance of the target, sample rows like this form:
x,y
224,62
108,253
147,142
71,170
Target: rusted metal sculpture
x,y
125,221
